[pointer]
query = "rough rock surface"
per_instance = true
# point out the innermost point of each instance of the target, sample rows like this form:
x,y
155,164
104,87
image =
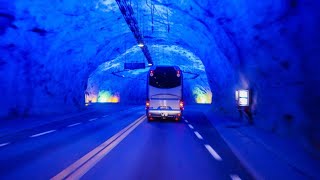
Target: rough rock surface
x,y
110,82
48,51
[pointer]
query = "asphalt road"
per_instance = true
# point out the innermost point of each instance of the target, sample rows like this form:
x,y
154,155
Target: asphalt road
x,y
119,145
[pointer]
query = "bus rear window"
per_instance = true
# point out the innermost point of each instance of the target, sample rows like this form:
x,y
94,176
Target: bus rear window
x,y
164,77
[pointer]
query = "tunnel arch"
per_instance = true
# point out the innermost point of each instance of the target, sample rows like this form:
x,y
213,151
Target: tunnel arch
x,y
270,46
111,72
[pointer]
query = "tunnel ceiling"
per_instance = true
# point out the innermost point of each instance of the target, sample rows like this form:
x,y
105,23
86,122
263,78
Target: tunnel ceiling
x,y
110,82
48,51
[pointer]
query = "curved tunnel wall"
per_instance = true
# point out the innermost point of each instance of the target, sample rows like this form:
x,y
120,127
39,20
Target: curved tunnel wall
x,y
271,47
110,82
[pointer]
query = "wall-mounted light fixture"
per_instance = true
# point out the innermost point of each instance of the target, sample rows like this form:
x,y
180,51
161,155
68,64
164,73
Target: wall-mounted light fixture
x,y
242,97
140,45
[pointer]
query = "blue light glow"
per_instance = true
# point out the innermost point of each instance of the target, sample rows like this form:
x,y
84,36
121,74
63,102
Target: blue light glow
x,y
111,77
49,51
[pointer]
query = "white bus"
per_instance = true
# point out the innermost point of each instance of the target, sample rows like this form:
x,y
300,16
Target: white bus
x,y
164,93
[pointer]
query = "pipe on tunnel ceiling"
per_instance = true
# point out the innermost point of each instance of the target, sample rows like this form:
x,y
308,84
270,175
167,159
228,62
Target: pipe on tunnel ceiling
x,y
127,13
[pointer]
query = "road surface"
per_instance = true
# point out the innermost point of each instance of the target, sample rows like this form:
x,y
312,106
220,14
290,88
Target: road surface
x,y
116,144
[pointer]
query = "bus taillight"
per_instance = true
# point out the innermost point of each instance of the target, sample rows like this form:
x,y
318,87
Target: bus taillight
x,y
151,73
147,104
181,105
178,73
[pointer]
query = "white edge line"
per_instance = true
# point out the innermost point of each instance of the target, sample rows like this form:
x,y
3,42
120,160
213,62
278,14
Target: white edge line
x,y
93,119
198,135
106,115
234,177
4,144
43,133
190,126
213,152
75,124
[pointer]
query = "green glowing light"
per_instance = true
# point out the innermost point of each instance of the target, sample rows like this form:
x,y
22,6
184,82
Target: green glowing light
x,y
202,96
106,96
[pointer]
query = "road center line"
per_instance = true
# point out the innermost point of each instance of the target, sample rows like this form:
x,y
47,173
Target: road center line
x,y
106,115
93,119
190,126
84,164
235,177
4,144
75,124
213,152
198,135
186,121
43,133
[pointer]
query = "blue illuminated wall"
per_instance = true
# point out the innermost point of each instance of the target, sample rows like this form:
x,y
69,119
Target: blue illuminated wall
x,y
49,51
111,83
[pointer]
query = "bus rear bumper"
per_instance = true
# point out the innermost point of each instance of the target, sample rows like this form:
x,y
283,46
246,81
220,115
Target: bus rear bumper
x,y
164,113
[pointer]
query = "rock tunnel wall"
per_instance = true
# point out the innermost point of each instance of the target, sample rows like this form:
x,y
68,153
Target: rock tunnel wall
x,y
48,51
275,45
110,82
272,47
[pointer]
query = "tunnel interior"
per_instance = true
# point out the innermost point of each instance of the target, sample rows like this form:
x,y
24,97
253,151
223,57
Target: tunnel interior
x,y
110,82
54,55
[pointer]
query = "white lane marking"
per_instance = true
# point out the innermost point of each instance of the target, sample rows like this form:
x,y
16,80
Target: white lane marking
x,y
93,119
84,164
235,177
4,144
198,135
213,152
190,126
106,115
186,121
43,133
75,124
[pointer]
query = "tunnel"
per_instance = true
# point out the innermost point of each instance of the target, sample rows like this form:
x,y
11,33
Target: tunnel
x,y
102,86
66,56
